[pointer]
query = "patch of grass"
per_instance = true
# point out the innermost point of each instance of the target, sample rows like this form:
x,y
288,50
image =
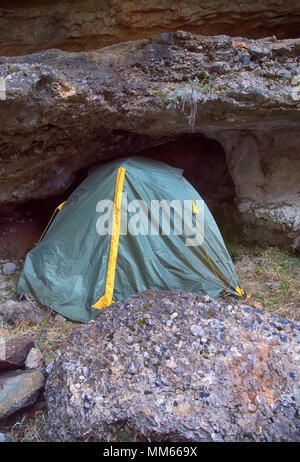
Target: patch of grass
x,y
123,437
29,427
186,98
48,335
271,276
158,93
11,69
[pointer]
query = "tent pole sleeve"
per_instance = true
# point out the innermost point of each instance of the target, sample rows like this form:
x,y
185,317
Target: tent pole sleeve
x,y
106,299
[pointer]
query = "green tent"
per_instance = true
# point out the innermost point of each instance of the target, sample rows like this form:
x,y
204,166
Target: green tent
x,y
132,225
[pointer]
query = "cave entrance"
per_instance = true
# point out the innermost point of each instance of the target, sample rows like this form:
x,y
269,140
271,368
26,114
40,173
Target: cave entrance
x,y
204,163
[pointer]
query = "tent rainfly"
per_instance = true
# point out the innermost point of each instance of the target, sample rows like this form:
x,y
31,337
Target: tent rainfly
x,y
132,225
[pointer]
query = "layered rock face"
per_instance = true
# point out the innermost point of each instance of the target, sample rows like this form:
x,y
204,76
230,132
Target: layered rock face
x,y
176,367
65,111
34,25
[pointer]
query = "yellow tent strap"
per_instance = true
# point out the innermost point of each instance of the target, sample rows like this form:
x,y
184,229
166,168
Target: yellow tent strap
x,y
106,299
50,221
238,290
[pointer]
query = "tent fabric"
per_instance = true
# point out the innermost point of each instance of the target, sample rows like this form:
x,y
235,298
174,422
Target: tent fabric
x,y
74,270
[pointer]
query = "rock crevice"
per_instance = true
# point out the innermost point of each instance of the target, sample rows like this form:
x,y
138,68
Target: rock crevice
x,y
76,26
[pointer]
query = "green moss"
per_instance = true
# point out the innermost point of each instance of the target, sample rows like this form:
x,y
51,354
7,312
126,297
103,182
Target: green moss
x,y
123,437
158,93
11,69
211,314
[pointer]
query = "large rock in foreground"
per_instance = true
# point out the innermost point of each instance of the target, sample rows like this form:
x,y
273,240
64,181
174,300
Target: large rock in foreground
x,y
176,367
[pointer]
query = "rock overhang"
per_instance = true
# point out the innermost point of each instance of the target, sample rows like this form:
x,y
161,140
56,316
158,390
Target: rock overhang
x,y
66,111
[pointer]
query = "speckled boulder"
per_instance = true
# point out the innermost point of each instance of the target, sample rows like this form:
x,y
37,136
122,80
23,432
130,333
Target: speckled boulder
x,y
176,367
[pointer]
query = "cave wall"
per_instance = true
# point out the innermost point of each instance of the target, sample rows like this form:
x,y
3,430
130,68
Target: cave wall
x,y
249,177
74,25
66,111
203,161
63,112
265,167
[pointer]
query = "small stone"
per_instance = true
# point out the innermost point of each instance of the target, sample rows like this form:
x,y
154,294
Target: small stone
x,y
252,408
9,268
4,438
259,51
132,369
272,285
197,330
73,389
60,318
49,369
34,359
245,58
4,294
24,312
13,352
284,74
